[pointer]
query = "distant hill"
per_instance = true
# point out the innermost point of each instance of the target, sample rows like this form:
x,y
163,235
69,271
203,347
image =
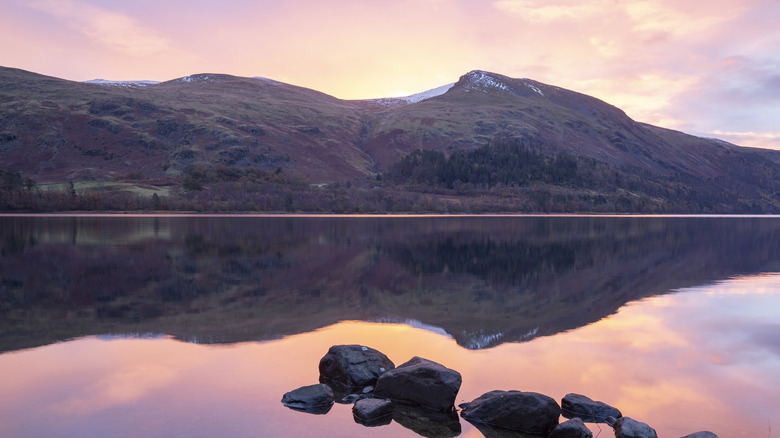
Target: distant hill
x,y
53,130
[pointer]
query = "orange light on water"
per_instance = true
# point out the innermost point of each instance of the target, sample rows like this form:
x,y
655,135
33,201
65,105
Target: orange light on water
x,y
669,361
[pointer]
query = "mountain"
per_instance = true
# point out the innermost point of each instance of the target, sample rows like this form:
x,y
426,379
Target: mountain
x,y
484,106
53,130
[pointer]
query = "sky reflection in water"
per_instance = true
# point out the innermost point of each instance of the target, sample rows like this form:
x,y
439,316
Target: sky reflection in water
x,y
703,358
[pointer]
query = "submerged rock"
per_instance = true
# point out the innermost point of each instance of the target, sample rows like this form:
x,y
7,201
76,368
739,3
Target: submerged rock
x,y
574,428
373,411
526,412
582,407
349,367
704,434
420,382
626,427
314,399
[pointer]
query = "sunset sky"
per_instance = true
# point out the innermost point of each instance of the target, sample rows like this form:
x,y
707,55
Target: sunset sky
x,y
708,68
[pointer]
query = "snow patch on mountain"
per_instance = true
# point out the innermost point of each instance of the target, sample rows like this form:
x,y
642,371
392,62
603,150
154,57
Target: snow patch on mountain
x,y
195,78
413,323
534,88
270,81
425,95
414,98
480,339
481,81
122,83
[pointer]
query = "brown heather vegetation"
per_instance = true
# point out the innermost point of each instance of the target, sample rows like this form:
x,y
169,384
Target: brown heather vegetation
x,y
509,176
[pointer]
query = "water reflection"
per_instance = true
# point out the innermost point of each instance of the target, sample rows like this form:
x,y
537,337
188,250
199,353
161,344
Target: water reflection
x,y
700,358
482,280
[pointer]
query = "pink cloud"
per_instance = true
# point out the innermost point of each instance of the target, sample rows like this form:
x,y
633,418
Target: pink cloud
x,y
116,31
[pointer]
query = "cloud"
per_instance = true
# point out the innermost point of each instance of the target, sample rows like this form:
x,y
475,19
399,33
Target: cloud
x,y
121,387
542,12
112,29
656,15
702,68
767,140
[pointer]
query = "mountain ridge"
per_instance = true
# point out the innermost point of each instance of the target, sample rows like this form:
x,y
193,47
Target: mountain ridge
x,y
54,130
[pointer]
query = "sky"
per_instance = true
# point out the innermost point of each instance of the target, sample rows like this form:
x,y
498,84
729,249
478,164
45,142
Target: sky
x,y
709,68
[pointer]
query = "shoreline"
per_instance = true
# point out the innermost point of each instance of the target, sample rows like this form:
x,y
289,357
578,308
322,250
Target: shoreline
x,y
377,215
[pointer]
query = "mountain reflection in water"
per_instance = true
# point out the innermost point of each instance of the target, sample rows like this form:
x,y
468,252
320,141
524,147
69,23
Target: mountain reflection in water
x,y
482,280
702,358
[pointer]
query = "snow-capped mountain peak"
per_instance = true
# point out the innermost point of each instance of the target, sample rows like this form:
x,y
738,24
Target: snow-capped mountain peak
x,y
197,78
481,81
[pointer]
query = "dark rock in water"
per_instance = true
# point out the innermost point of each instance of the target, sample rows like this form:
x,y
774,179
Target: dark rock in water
x,y
373,411
704,434
589,411
314,399
574,428
526,412
626,427
348,367
420,382
426,422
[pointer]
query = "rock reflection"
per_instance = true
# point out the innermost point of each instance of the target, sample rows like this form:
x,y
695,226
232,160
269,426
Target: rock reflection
x,y
482,280
427,423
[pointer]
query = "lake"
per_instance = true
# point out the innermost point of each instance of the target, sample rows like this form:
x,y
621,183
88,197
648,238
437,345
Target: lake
x,y
195,326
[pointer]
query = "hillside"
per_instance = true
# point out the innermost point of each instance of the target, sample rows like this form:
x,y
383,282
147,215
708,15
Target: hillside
x,y
165,134
56,130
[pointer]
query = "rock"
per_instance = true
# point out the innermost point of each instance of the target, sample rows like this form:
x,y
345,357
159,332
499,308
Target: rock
x,y
349,367
701,435
351,399
373,411
314,399
579,406
574,428
626,427
526,412
421,382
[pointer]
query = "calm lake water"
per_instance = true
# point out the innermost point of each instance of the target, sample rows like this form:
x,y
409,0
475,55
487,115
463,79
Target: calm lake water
x,y
196,326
